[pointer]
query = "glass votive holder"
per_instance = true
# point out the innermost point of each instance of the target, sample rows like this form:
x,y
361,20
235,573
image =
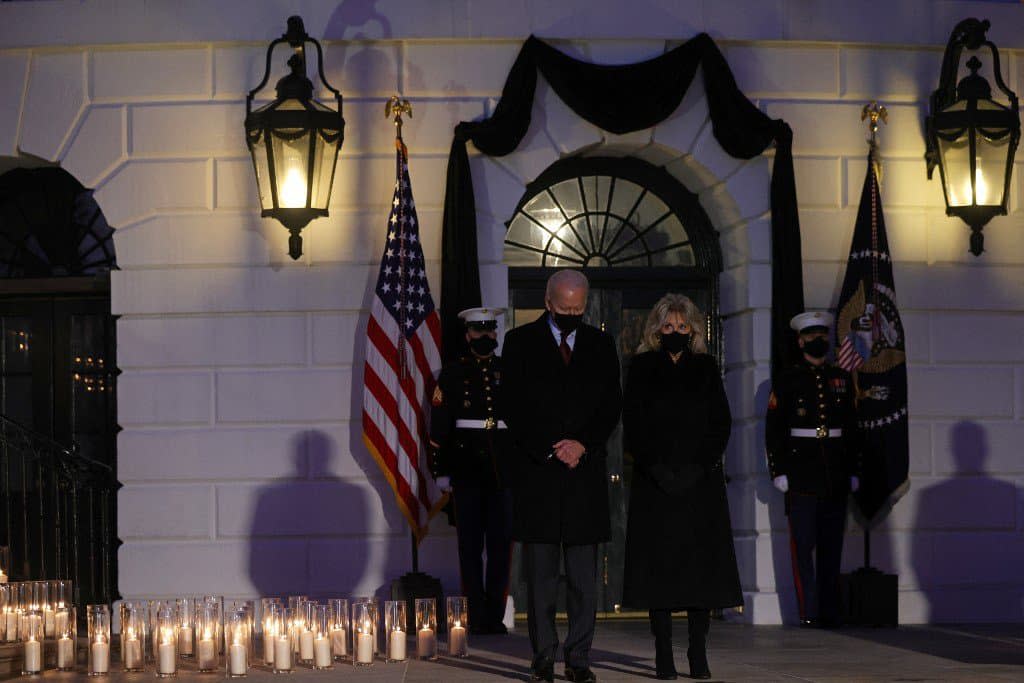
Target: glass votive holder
x,y
216,601
271,617
237,637
363,631
185,616
40,594
5,563
32,642
283,652
167,640
458,621
97,619
133,635
394,626
207,624
8,614
426,628
374,611
320,628
67,638
339,628
304,632
294,600
249,610
154,609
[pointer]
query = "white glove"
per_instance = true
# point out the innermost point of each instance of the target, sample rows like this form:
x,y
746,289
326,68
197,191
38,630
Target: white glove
x,y
854,484
781,483
444,483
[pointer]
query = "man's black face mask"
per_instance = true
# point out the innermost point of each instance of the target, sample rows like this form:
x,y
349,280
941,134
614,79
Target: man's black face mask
x,y
816,348
567,322
483,346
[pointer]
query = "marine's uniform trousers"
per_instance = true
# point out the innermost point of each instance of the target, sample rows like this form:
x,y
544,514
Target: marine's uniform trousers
x,y
466,435
812,437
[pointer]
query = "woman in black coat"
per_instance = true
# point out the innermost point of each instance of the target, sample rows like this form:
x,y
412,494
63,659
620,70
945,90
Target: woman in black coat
x,y
679,547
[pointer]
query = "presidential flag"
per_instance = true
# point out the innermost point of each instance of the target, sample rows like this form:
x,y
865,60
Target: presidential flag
x,y
402,361
871,345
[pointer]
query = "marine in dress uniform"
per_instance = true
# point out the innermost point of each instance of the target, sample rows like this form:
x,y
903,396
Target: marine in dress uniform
x,y
466,430
813,447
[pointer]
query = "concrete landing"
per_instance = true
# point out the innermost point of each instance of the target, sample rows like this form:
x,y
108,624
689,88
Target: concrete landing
x,y
624,651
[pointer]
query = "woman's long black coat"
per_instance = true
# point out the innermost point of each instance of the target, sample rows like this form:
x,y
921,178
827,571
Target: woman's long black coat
x,y
679,547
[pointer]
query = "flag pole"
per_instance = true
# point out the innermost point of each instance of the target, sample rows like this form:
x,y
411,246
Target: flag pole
x,y
414,584
873,112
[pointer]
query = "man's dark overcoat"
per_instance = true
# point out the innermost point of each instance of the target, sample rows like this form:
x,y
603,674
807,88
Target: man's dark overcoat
x,y
679,546
546,401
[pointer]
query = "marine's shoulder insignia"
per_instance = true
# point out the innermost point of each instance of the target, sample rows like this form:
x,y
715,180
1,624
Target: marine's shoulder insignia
x,y
773,402
438,397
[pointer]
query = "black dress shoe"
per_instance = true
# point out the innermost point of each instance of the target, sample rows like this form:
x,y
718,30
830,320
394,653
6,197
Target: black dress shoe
x,y
667,675
699,665
544,672
580,675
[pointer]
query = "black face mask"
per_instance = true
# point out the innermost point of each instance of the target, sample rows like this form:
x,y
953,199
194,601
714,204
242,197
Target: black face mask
x,y
816,348
567,323
675,342
483,346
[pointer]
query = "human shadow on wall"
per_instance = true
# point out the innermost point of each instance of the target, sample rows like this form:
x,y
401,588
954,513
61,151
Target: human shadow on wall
x,y
950,553
306,535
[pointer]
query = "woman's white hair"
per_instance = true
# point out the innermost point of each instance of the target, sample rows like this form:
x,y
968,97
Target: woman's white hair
x,y
685,308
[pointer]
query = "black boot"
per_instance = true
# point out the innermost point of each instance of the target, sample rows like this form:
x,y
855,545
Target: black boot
x,y
661,629
698,622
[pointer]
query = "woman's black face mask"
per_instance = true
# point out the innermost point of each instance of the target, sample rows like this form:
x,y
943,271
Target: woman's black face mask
x,y
675,342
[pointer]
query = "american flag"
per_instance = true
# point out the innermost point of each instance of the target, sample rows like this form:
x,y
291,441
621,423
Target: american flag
x,y
402,361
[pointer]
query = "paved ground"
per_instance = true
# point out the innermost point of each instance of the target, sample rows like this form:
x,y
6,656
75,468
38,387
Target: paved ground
x,y
623,651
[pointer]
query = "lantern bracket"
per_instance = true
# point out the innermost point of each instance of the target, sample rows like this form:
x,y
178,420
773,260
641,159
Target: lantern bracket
x,y
969,34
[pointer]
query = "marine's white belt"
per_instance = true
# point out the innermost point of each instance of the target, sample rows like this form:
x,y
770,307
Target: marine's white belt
x,y
480,424
819,433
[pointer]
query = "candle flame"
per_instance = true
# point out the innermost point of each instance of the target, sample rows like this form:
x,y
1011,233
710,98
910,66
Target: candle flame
x,y
293,189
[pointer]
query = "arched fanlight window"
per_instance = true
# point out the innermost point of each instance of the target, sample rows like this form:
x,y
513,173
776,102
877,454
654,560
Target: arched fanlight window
x,y
601,212
51,226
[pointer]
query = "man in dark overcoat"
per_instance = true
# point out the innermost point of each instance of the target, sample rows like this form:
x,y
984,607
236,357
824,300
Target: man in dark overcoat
x,y
562,398
813,443
466,428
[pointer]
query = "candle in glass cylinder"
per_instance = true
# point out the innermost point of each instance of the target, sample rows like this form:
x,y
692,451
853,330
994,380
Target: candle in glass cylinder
x,y
306,646
33,656
99,661
185,641
396,646
364,646
457,641
206,659
166,663
339,642
49,622
3,577
60,620
11,625
237,664
65,653
132,651
426,643
283,653
269,640
322,653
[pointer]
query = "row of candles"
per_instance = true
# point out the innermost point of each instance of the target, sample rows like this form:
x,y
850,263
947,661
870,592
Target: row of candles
x,y
34,611
163,634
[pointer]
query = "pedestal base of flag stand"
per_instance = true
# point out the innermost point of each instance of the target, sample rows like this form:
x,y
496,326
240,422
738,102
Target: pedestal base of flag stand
x,y
870,598
415,585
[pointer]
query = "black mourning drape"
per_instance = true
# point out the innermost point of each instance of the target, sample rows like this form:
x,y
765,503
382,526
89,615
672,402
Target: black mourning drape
x,y
621,99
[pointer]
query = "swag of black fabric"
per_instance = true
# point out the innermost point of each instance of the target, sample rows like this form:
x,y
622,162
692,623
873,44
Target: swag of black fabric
x,y
621,99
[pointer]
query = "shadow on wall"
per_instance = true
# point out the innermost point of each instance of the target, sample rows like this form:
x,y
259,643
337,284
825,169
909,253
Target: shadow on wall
x,y
302,539
966,545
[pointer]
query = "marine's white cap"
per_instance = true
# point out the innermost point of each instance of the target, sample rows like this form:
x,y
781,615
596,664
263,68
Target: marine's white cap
x,y
803,321
481,315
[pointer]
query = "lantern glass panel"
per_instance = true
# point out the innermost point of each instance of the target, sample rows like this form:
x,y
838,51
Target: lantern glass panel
x,y
954,145
262,168
993,147
291,166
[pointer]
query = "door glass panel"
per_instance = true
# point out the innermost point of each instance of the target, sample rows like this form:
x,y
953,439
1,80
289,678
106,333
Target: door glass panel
x,y
92,386
16,369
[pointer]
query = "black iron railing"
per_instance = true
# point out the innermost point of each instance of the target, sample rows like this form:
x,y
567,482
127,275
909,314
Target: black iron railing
x,y
57,514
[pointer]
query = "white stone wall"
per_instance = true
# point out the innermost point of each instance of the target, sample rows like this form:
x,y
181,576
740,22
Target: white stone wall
x,y
241,388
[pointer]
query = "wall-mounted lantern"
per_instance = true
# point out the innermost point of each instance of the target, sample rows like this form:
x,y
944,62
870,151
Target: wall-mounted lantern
x,y
294,141
971,137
